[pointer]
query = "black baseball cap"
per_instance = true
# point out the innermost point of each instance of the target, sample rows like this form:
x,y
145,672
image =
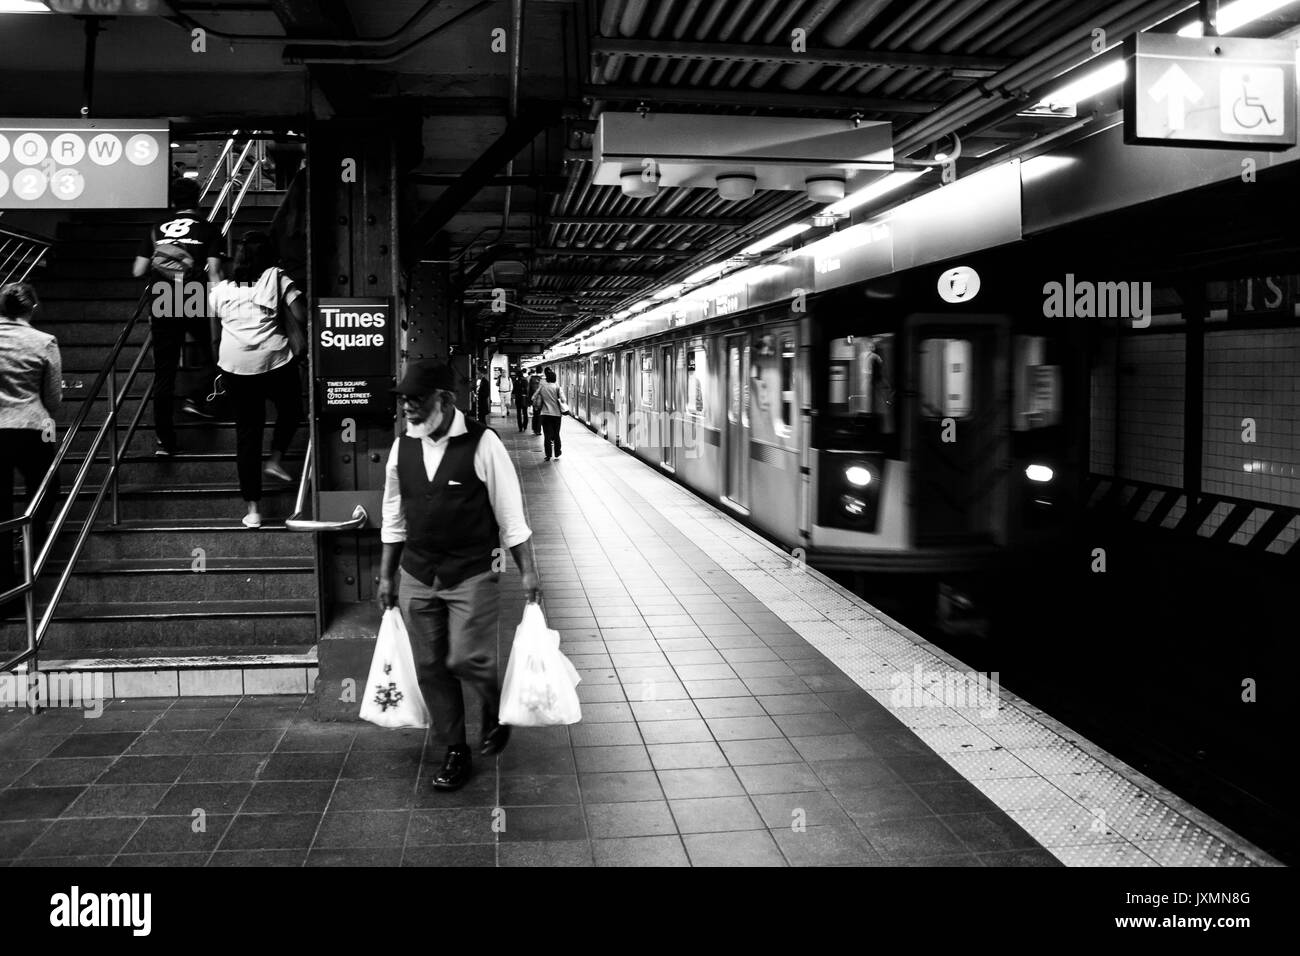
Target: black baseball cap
x,y
423,378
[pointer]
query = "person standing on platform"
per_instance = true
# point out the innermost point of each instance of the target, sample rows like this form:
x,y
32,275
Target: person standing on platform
x,y
31,390
505,387
550,405
521,400
451,501
484,398
180,250
534,383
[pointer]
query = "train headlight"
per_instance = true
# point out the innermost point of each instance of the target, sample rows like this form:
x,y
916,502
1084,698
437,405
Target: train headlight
x,y
853,505
1039,473
858,475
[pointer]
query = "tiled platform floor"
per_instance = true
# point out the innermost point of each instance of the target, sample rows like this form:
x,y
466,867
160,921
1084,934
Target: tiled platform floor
x,y
720,728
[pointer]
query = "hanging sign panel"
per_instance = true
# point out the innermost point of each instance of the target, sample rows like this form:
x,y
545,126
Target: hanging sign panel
x,y
1221,92
84,164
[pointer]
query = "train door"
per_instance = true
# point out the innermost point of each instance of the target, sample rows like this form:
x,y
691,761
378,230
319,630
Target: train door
x,y
667,368
623,400
736,440
607,402
962,426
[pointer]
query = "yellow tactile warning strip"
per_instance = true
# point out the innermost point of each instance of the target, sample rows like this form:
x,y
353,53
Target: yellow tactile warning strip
x,y
1082,804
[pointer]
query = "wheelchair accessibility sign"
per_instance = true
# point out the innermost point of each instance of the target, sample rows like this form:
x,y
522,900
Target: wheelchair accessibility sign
x,y
1221,92
1251,101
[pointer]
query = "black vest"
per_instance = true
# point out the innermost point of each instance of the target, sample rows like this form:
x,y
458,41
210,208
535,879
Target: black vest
x,y
451,530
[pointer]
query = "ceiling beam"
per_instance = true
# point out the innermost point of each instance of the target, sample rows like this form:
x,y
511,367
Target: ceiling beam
x,y
758,99
325,18
647,253
650,221
535,180
964,64
518,133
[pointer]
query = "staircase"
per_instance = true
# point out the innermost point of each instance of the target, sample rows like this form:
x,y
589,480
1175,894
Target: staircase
x,y
177,576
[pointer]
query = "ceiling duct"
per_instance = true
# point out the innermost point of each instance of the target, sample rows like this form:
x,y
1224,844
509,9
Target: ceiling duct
x,y
701,151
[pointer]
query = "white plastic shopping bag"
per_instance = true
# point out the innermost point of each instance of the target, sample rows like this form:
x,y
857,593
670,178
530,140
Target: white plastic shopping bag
x,y
541,684
392,694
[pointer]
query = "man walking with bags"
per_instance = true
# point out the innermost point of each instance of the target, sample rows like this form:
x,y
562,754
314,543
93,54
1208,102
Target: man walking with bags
x,y
451,501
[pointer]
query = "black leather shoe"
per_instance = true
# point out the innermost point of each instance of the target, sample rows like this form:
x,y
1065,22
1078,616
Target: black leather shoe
x,y
495,740
455,770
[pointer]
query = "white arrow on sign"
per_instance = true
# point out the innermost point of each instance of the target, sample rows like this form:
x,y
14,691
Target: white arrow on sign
x,y
1177,89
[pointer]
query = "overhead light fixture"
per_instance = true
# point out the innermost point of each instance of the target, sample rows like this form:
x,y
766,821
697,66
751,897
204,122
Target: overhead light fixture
x,y
23,6
670,292
823,219
704,275
775,239
637,186
736,186
824,188
1085,87
873,191
643,304
1234,16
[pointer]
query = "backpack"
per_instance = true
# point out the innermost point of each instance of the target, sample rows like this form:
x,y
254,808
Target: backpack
x,y
171,261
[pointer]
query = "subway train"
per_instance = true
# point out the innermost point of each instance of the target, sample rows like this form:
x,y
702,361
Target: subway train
x,y
926,420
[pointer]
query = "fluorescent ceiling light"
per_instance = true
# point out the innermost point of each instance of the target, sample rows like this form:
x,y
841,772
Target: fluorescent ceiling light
x,y
1234,16
643,304
873,191
775,239
705,274
1088,85
670,292
23,6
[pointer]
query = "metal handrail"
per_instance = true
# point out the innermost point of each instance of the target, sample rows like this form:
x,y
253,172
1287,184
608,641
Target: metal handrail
x,y
216,167
20,249
33,567
296,522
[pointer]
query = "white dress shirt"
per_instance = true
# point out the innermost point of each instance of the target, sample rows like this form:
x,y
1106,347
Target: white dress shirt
x,y
493,467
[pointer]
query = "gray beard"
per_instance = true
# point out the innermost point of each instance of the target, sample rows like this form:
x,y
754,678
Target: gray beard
x,y
423,430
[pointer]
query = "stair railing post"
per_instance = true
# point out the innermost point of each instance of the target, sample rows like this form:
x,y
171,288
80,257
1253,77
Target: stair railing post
x,y
29,599
112,437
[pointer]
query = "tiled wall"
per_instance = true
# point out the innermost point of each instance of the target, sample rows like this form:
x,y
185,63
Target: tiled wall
x,y
1102,441
1151,395
1253,373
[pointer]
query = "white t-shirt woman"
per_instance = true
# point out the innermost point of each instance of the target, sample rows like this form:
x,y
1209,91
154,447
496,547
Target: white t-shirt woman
x,y
252,337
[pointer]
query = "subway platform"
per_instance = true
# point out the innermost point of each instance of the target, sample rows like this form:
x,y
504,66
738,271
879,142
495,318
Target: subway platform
x,y
738,709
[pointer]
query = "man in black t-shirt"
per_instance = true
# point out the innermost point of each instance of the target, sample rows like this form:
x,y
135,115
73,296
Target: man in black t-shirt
x,y
181,252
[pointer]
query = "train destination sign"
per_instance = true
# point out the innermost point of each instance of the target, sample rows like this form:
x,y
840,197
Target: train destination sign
x,y
83,164
354,338
1220,92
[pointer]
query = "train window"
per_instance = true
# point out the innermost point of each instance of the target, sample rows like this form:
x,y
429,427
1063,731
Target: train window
x,y
647,380
946,381
859,377
733,404
609,376
1038,384
787,387
582,377
745,391
697,371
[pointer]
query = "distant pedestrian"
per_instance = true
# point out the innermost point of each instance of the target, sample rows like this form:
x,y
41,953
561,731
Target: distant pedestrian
x,y
31,390
180,250
550,405
521,400
534,383
484,398
451,502
505,388
257,320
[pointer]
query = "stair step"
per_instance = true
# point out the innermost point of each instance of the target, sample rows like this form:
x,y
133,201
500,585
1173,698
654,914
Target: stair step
x,y
148,538
56,309
193,437
152,580
218,565
97,627
187,658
